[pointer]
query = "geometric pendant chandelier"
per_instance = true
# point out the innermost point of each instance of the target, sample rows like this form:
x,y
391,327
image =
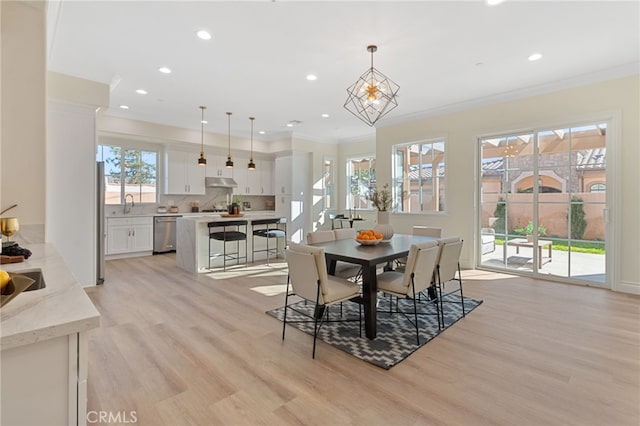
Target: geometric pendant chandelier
x,y
373,95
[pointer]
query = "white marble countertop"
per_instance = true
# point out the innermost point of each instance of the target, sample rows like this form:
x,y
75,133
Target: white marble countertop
x,y
249,216
266,213
59,309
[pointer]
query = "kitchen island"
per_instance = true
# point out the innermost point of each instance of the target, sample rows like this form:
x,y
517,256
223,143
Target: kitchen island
x,y
44,346
192,240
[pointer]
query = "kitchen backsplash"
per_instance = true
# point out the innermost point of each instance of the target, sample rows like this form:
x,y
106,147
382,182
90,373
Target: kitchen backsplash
x,y
215,198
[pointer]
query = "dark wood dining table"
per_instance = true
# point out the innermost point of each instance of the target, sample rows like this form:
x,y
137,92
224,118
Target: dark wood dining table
x,y
369,257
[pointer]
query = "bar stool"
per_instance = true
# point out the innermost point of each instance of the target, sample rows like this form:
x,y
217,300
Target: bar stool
x,y
269,228
230,232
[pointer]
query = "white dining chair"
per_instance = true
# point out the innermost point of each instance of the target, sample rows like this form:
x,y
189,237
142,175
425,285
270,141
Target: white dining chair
x,y
343,269
320,236
416,278
309,280
427,231
448,270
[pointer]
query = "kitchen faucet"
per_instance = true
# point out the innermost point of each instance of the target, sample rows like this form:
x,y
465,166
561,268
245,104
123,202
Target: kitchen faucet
x,y
133,203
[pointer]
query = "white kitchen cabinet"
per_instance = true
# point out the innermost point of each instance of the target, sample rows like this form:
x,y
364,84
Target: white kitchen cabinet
x,y
216,166
45,383
266,176
256,182
183,175
129,235
283,174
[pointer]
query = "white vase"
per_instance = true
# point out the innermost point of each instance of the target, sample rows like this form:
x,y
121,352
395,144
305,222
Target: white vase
x,y
383,226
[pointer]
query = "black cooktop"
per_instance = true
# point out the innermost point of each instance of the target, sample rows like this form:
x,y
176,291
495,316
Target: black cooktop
x,y
213,210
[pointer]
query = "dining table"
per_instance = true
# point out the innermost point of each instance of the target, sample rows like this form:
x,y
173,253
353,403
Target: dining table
x,y
370,258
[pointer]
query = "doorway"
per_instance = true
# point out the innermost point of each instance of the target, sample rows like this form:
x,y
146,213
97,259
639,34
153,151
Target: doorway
x,y
543,203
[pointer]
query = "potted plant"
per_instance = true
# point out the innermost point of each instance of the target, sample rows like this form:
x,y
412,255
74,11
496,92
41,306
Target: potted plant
x,y
381,200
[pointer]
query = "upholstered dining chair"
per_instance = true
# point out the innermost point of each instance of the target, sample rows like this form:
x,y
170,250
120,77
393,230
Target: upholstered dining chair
x,y
427,231
309,280
424,231
344,233
416,278
320,236
343,269
448,270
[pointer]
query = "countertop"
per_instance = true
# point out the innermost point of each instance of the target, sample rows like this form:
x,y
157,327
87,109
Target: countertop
x,y
59,309
247,213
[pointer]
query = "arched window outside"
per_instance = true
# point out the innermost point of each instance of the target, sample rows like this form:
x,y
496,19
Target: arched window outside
x,y
598,187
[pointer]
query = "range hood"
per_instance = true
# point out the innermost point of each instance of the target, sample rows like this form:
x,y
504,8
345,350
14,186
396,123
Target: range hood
x,y
220,182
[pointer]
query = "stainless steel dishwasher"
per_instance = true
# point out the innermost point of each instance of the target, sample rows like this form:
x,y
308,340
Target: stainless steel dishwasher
x,y
164,233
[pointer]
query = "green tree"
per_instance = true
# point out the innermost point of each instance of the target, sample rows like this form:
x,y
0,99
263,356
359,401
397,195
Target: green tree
x,y
136,169
578,222
501,214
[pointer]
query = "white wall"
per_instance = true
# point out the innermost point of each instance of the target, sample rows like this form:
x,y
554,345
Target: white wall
x,y
22,171
605,99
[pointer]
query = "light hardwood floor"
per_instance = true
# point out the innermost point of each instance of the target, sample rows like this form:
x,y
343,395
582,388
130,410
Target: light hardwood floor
x,y
180,349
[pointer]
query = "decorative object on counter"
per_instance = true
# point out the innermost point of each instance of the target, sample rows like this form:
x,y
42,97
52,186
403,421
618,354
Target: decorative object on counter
x,y
7,209
174,209
195,206
15,250
8,227
373,95
229,163
161,209
202,161
234,209
251,165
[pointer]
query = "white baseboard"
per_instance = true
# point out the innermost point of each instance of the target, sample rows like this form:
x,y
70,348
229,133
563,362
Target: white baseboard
x,y
628,287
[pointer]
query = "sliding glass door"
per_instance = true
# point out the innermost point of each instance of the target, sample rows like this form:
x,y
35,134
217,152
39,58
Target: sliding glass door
x,y
543,203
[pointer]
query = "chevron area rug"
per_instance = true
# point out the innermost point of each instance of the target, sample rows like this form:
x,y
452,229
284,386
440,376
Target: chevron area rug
x,y
396,338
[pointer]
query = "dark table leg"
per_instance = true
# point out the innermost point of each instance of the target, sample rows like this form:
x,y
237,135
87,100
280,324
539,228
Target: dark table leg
x,y
369,297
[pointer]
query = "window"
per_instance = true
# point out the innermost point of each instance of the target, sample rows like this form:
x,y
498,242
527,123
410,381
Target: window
x,y
418,174
129,171
598,187
361,176
327,185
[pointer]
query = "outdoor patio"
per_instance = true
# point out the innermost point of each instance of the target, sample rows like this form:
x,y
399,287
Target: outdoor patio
x,y
584,266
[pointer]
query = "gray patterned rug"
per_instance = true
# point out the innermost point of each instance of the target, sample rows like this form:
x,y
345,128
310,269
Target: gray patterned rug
x,y
396,338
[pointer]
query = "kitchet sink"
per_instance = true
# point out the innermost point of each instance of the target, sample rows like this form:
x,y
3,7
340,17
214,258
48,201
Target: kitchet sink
x,y
36,275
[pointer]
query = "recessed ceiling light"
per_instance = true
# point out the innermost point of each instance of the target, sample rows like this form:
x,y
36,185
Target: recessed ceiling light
x,y
289,125
164,70
493,2
204,122
535,56
262,132
203,35
312,77
325,115
141,92
124,107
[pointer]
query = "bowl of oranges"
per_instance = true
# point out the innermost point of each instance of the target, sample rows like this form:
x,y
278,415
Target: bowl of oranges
x,y
368,237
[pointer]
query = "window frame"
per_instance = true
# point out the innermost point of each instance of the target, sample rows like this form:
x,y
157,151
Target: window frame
x,y
399,193
349,195
140,148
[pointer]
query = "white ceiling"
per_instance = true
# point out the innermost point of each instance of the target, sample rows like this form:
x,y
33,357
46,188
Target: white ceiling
x,y
442,54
